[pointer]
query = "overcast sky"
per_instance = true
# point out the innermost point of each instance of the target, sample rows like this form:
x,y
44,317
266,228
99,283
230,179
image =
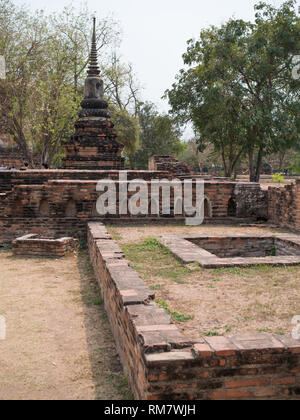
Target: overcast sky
x,y
155,32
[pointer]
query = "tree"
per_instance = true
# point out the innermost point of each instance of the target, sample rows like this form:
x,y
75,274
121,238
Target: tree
x,y
206,161
123,90
46,58
159,135
128,131
238,91
121,85
74,27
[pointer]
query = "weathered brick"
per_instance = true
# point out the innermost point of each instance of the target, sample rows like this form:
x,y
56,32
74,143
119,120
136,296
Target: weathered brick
x,y
202,350
222,346
229,394
242,383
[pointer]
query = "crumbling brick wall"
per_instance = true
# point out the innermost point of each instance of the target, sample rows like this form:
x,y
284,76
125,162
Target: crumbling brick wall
x,y
162,364
284,205
11,158
251,200
9,179
170,164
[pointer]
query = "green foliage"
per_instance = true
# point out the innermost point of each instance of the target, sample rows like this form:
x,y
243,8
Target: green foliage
x,y
160,135
278,178
127,128
213,333
46,57
238,89
273,251
295,164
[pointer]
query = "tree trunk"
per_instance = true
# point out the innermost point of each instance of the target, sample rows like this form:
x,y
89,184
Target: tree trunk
x,y
281,159
258,164
251,165
131,163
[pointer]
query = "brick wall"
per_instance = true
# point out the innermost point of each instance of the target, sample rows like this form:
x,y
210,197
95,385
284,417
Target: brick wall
x,y
25,200
29,198
163,364
284,205
10,179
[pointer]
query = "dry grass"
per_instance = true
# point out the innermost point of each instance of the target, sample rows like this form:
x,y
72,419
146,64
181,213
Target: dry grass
x,y
218,301
58,343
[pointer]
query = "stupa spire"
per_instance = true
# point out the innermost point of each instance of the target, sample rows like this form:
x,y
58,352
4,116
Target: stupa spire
x,y
94,103
93,69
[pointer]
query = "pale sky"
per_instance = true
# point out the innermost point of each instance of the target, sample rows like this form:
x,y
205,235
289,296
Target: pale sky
x,y
155,32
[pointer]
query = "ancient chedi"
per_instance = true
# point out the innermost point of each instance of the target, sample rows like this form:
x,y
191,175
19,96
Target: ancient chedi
x,y
94,145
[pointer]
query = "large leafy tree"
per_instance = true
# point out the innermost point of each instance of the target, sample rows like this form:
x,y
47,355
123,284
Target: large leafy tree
x,y
46,58
238,89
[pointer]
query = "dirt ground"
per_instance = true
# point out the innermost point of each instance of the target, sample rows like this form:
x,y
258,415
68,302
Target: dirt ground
x,y
58,343
213,301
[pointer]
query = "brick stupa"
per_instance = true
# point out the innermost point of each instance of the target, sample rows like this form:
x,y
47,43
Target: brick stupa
x,y
94,145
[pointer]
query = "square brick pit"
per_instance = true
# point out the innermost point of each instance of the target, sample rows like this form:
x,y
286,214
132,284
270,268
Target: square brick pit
x,y
235,250
35,245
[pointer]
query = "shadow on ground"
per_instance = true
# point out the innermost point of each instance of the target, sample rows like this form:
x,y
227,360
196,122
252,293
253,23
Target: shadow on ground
x,y
109,380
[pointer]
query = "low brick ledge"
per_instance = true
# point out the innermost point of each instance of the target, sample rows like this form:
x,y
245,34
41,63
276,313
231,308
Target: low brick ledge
x,y
162,364
188,252
33,245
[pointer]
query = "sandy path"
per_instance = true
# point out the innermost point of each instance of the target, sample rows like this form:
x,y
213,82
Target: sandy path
x,y
58,343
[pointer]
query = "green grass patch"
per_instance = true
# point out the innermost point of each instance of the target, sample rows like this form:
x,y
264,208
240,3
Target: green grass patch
x,y
151,258
175,315
213,333
156,287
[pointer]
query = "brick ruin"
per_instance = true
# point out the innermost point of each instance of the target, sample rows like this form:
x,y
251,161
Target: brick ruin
x,y
160,363
34,245
10,157
235,250
63,202
94,144
169,164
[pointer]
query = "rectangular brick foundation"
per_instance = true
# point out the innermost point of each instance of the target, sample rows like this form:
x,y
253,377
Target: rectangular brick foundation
x,y
33,245
163,364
